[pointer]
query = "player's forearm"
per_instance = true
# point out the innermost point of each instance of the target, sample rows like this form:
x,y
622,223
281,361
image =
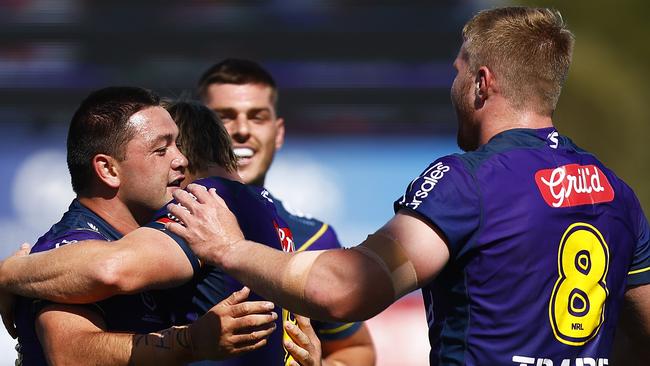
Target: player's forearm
x,y
340,285
354,350
168,347
69,274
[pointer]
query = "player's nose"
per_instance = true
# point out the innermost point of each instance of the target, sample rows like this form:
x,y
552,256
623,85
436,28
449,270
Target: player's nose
x,y
241,128
179,162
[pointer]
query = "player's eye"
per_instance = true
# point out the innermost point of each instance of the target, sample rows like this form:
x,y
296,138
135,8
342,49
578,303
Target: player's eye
x,y
260,117
161,151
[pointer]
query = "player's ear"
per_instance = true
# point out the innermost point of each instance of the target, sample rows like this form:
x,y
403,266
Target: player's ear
x,y
279,133
107,170
484,86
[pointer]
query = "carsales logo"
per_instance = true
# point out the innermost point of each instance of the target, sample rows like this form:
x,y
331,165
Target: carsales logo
x,y
573,185
430,179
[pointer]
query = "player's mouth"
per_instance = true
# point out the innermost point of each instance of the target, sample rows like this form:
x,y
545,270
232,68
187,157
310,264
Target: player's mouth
x,y
176,183
244,155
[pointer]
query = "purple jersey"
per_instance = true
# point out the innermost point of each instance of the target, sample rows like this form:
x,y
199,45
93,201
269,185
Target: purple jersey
x,y
142,313
259,222
312,234
543,241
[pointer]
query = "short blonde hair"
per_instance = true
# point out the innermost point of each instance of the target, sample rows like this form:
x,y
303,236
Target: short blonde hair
x,y
528,49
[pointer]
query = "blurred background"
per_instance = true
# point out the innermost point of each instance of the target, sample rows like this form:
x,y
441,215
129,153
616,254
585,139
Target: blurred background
x,y
364,90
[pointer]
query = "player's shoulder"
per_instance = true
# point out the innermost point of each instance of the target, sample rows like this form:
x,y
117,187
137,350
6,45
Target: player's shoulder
x,y
308,231
286,210
77,224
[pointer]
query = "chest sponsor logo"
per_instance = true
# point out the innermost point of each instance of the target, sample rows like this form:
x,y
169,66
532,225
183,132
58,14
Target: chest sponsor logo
x,y
430,179
574,185
286,238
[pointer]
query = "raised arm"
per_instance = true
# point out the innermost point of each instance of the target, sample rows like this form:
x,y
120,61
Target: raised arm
x,y
93,270
73,335
345,284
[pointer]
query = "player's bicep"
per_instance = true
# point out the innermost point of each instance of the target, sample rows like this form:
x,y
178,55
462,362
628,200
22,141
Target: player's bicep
x,y
154,260
61,327
421,243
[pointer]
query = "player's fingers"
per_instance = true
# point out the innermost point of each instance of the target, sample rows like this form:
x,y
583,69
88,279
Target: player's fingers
x,y
176,228
185,199
304,323
253,322
298,335
23,250
215,197
251,307
8,322
253,336
200,192
237,296
298,353
250,347
180,212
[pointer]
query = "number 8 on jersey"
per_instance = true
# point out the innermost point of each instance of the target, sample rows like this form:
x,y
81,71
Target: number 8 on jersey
x,y
577,306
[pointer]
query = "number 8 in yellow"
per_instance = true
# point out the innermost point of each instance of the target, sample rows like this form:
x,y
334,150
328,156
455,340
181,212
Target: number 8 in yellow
x,y
577,305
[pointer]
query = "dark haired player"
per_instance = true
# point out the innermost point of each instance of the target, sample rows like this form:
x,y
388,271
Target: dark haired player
x,y
124,163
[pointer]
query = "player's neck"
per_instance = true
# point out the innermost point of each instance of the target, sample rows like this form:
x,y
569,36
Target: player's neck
x,y
219,171
507,119
113,211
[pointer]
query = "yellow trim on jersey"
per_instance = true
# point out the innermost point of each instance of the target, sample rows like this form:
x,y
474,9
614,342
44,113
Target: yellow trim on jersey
x,y
311,240
337,329
639,271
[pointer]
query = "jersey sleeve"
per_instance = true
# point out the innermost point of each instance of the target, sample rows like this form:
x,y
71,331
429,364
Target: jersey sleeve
x,y
159,224
639,273
324,238
333,331
445,195
69,237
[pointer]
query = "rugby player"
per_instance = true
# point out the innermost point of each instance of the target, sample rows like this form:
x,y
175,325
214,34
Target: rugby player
x,y
245,97
208,147
124,164
525,247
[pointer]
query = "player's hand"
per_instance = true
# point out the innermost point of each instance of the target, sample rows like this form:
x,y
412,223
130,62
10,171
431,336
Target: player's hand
x,y
8,300
232,327
208,225
304,346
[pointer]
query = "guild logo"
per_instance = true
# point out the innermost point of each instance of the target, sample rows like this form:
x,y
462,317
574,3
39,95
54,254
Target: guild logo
x,y
574,185
286,238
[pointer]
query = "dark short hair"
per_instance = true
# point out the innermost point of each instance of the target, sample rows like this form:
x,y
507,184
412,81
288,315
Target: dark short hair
x,y
238,72
100,126
202,138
